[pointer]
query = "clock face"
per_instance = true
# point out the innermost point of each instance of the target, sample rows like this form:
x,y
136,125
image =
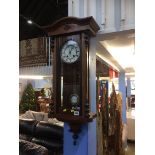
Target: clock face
x,y
70,52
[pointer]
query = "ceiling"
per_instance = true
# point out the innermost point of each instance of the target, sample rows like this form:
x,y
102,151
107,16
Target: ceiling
x,y
42,13
118,49
45,12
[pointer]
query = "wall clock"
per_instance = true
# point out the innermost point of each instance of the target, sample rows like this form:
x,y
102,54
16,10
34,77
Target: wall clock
x,y
70,46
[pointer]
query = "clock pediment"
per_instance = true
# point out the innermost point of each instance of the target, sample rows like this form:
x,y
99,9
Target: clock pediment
x,y
69,25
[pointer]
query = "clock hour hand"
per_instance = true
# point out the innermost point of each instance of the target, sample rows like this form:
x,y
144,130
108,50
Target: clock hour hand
x,y
70,52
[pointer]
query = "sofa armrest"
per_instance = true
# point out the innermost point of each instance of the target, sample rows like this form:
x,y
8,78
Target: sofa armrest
x,y
27,126
49,131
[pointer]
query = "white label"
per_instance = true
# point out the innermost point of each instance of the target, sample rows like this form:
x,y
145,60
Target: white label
x,y
76,113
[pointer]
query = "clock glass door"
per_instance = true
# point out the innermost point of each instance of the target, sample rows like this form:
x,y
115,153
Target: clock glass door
x,y
70,77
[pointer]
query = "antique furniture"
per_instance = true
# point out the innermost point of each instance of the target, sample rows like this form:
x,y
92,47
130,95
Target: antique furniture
x,y
70,46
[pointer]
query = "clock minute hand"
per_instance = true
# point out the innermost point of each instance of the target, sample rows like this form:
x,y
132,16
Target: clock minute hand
x,y
73,53
70,50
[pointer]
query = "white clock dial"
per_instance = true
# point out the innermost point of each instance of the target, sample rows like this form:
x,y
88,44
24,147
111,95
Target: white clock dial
x,y
70,52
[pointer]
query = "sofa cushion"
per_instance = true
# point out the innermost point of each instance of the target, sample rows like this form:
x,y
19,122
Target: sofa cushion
x,y
52,145
27,115
29,148
38,116
42,133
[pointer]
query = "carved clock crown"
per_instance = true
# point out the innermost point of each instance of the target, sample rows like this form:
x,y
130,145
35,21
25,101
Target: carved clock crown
x,y
69,25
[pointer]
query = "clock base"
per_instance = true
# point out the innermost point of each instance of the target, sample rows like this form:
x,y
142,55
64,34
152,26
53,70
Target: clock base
x,y
77,119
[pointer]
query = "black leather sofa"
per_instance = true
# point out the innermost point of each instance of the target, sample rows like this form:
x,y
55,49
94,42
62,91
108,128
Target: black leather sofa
x,y
40,138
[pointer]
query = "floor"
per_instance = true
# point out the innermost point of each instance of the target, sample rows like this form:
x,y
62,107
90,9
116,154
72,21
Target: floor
x,y
130,149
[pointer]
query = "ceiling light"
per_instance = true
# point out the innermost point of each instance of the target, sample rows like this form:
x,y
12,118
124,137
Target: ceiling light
x,y
29,21
31,77
35,77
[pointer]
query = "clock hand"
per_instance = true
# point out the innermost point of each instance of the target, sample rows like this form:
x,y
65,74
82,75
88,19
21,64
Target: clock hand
x,y
73,51
70,54
71,48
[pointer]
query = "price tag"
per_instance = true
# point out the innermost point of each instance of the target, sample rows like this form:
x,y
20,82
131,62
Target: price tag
x,y
76,113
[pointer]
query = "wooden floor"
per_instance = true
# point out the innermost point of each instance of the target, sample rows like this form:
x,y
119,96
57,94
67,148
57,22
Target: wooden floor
x,y
130,149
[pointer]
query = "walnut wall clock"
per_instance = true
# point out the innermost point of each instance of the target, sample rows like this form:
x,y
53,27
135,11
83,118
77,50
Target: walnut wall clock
x,y
70,45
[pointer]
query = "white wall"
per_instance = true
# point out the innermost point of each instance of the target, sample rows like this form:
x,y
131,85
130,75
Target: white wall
x,y
127,14
111,15
36,70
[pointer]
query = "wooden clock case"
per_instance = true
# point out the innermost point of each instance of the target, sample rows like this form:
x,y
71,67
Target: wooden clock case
x,y
68,78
